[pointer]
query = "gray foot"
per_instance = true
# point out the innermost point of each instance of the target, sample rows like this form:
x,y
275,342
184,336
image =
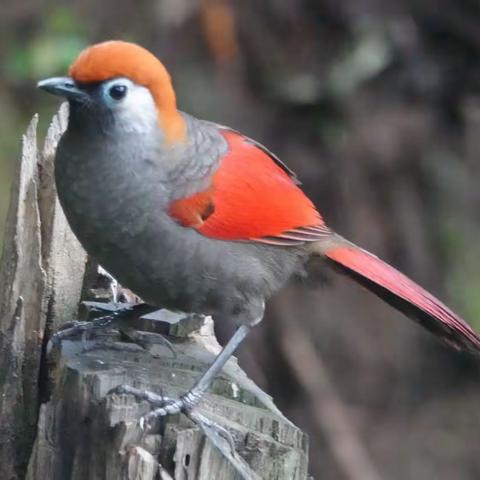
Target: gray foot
x,y
111,316
73,330
164,406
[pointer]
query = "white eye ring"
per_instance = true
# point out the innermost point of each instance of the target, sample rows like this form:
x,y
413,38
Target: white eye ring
x,y
115,91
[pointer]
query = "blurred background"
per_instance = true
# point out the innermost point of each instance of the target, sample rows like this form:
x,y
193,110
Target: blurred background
x,y
375,104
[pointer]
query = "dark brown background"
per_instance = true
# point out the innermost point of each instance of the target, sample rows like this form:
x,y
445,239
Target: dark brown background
x,y
375,105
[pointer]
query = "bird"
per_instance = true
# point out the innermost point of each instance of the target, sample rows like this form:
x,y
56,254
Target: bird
x,y
195,216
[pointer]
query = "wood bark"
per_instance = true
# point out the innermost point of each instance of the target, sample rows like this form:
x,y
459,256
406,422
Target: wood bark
x,y
40,282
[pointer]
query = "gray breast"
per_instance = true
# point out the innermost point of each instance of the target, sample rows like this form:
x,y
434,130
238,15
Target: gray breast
x,y
115,196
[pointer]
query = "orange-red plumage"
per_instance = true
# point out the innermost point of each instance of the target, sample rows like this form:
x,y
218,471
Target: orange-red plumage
x,y
194,210
252,197
108,60
403,293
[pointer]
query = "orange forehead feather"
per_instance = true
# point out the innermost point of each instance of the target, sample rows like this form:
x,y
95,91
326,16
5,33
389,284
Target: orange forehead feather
x,y
108,60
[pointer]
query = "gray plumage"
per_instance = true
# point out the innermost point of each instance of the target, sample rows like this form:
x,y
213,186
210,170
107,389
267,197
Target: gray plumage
x,y
115,185
117,176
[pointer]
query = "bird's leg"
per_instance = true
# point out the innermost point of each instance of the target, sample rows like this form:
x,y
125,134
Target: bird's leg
x,y
186,404
113,318
78,328
218,435
190,399
113,312
119,318
122,299
163,406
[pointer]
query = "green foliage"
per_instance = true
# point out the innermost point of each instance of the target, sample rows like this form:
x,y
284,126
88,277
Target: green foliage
x,y
47,50
50,52
463,280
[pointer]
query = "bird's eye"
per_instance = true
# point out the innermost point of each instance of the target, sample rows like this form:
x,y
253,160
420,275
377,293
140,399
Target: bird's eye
x,y
117,92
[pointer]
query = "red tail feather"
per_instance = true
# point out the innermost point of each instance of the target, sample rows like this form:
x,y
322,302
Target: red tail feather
x,y
404,294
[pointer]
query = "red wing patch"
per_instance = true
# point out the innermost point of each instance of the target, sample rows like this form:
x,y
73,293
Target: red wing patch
x,y
252,197
194,210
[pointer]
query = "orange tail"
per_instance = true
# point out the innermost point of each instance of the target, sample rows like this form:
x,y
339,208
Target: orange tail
x,y
403,294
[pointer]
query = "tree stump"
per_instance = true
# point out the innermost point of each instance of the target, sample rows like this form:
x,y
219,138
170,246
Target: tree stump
x,y
59,420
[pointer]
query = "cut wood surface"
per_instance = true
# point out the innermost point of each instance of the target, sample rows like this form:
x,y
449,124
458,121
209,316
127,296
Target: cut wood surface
x,y
57,418
86,433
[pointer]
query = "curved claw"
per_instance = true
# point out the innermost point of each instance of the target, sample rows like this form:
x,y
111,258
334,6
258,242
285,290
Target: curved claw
x,y
223,440
218,434
205,423
150,397
172,407
68,330
164,405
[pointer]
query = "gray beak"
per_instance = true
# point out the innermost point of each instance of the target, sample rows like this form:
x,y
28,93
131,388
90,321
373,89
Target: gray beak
x,y
64,87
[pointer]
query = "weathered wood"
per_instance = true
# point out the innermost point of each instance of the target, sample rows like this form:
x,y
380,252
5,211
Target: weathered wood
x,y
82,431
86,433
22,314
41,266
63,257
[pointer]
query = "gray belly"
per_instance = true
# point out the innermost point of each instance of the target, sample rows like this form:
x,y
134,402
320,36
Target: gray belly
x,y
175,267
121,220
